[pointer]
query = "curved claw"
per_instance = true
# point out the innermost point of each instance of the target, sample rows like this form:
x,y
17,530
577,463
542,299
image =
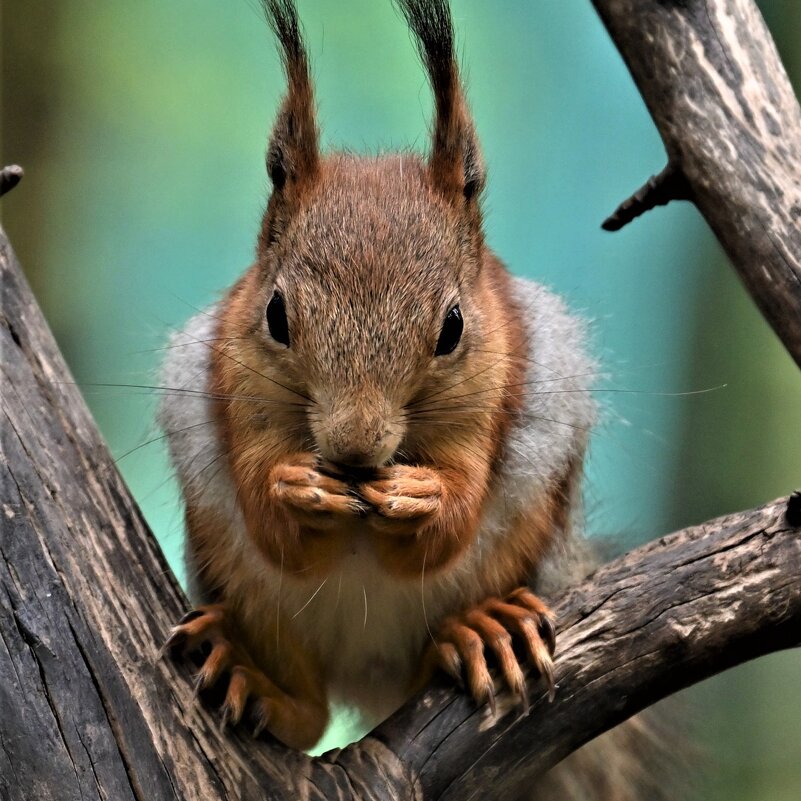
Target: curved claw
x,y
450,661
225,717
491,699
174,644
197,686
217,661
547,673
548,633
490,628
194,614
262,717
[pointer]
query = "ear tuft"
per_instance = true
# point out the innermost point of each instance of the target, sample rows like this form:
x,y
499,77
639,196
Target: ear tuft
x,y
276,167
293,152
456,166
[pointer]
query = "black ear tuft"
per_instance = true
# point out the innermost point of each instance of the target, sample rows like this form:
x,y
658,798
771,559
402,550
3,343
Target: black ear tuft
x,y
293,152
276,166
456,166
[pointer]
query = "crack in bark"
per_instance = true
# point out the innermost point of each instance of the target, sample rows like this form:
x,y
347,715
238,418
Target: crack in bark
x,y
114,725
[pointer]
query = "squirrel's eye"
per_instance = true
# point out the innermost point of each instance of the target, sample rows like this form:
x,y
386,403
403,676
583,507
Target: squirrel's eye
x,y
451,332
276,319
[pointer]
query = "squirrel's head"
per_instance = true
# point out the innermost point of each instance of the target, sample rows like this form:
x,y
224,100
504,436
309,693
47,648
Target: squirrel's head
x,y
369,296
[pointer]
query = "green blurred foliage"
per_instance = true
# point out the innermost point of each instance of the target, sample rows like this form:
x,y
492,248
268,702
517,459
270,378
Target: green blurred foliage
x,y
142,128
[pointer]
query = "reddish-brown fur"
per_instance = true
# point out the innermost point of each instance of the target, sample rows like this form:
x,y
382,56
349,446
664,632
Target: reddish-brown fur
x,y
368,435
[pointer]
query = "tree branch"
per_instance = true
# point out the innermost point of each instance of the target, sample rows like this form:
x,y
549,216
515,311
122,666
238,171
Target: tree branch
x,y
710,75
658,190
91,712
663,617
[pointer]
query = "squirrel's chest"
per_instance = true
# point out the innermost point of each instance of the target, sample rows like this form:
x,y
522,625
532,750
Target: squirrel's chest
x,y
356,618
366,629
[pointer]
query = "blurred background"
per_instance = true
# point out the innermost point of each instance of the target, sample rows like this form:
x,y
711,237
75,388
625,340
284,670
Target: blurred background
x,y
142,128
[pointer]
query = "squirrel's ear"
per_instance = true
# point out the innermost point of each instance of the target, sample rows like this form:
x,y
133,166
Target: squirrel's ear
x,y
293,155
456,166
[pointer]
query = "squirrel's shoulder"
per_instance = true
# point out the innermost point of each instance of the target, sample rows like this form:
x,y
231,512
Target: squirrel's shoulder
x,y
552,426
560,370
187,416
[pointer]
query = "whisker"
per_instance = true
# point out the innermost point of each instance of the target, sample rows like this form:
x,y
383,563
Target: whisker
x,y
278,601
510,320
591,374
618,390
205,312
162,436
423,595
178,391
513,355
445,389
523,344
254,370
496,388
187,344
339,592
195,476
471,410
311,598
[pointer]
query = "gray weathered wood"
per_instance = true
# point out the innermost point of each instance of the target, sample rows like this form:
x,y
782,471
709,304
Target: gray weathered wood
x,y
88,709
90,712
710,75
659,619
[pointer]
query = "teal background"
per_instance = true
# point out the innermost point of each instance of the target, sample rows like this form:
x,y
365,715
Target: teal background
x,y
142,128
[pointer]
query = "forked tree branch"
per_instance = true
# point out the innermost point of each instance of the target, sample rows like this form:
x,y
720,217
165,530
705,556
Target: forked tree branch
x,y
710,75
90,712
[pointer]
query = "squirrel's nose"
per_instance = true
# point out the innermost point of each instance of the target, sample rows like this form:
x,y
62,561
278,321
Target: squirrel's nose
x,y
363,451
357,430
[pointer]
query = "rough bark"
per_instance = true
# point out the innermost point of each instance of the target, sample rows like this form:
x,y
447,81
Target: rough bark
x,y
88,709
710,75
659,619
91,712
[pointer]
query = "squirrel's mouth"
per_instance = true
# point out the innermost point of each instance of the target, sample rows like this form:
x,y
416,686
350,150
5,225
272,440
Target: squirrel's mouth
x,y
348,472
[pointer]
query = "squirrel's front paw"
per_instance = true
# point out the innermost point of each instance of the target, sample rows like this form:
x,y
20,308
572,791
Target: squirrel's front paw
x,y
494,627
403,499
297,722
314,499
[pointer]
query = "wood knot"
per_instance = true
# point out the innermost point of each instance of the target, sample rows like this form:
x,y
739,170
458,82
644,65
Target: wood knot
x,y
793,512
9,177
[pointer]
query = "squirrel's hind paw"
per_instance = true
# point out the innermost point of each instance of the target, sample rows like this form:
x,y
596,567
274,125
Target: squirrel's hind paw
x,y
493,629
297,722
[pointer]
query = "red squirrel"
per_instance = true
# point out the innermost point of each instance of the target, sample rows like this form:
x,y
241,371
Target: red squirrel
x,y
378,431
